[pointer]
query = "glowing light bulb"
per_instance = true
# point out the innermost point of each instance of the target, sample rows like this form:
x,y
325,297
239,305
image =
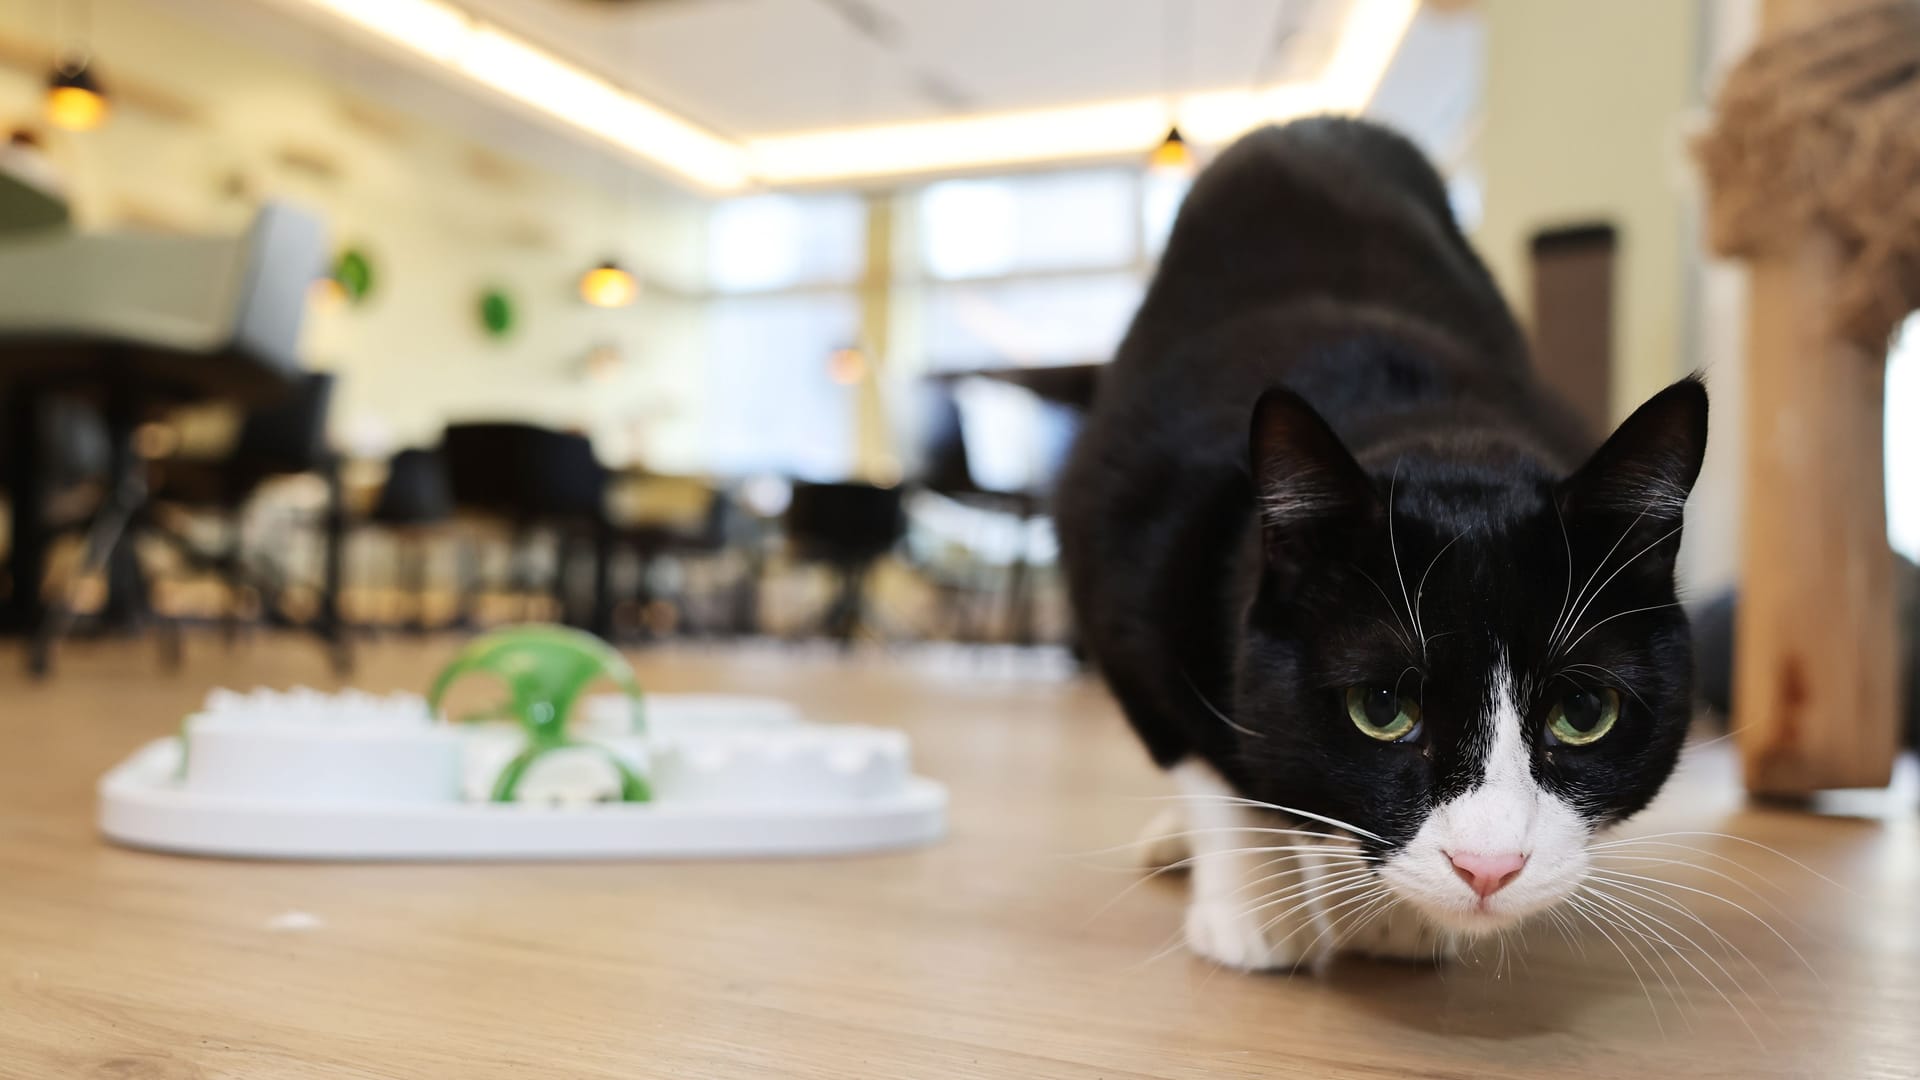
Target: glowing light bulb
x,y
847,366
608,286
75,99
1173,157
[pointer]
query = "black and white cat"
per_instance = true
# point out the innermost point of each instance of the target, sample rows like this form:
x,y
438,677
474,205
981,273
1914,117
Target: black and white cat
x,y
1336,550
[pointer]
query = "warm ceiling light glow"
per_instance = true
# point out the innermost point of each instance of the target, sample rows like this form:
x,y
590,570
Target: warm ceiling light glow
x,y
1173,157
1220,116
75,100
1369,37
608,286
569,94
428,27
847,366
327,294
1043,135
541,81
1362,53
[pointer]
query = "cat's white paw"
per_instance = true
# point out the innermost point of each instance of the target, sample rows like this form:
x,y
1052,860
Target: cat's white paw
x,y
1164,840
1230,935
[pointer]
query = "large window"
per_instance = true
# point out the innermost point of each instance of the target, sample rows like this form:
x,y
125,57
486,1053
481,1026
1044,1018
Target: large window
x,y
1013,225
1161,196
1029,322
772,403
1032,270
784,268
771,242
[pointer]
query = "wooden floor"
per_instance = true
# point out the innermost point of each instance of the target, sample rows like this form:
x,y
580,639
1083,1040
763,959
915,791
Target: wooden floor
x,y
987,955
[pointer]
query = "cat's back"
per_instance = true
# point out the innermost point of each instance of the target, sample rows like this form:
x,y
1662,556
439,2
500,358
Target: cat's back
x,y
1327,210
1322,255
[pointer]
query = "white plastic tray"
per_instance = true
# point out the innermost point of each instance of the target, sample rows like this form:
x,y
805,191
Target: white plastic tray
x,y
302,774
143,805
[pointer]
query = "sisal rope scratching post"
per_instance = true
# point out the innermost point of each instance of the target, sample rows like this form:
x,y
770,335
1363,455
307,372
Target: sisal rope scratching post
x,y
1813,175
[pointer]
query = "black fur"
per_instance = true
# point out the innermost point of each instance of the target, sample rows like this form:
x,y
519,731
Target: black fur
x,y
1320,339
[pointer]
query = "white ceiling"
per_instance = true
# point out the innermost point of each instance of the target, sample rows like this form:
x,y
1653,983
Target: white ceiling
x,y
758,67
752,69
368,72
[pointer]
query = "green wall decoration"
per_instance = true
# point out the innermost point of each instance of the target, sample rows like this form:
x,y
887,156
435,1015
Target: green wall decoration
x,y
354,271
496,313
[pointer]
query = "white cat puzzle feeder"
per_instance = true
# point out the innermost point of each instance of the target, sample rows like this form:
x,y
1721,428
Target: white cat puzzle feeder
x,y
306,775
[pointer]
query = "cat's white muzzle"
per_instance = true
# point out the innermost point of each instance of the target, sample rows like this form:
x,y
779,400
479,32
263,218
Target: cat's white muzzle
x,y
1488,859
1505,849
1430,882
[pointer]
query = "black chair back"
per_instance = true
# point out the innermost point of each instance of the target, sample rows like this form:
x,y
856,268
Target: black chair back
x,y
416,491
69,442
943,448
290,435
523,472
845,523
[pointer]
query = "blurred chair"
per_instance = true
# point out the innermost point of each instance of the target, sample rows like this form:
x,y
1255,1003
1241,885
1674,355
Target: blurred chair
x,y
531,478
848,527
287,438
964,588
995,444
64,437
61,447
415,503
695,527
142,322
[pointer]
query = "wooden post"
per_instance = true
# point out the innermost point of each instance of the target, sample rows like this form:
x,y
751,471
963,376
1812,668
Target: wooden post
x,y
1816,680
1816,677
875,459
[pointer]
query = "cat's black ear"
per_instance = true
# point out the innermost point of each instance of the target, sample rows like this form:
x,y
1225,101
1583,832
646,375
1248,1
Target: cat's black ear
x,y
1647,467
1304,479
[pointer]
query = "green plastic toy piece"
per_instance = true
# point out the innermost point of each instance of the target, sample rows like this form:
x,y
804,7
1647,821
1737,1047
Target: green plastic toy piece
x,y
545,669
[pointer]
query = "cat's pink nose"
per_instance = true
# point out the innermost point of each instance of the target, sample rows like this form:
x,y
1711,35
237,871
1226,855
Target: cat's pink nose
x,y
1488,874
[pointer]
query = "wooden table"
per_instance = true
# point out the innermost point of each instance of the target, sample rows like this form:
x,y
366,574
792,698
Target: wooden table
x,y
986,956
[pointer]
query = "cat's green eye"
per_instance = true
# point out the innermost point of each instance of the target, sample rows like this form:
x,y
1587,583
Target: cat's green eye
x,y
1382,713
1582,716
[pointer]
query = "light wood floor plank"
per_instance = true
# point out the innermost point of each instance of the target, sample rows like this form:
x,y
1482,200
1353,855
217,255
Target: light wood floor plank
x,y
985,956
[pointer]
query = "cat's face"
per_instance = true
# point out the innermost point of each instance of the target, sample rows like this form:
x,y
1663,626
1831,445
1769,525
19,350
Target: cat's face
x,y
1472,666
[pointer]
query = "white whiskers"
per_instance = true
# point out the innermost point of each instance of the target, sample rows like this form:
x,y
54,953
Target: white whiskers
x,y
1401,632
1325,879
1420,590
1393,545
1554,648
1644,918
1239,800
1562,625
1218,715
1308,891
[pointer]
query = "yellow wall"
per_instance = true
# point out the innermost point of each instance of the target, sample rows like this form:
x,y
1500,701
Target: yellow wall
x,y
440,228
1585,101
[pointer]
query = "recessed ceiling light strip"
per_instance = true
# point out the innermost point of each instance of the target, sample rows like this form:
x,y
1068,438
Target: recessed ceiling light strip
x,y
509,65
1369,37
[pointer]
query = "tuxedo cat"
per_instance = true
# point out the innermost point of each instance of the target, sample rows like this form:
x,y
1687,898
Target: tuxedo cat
x,y
1335,550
